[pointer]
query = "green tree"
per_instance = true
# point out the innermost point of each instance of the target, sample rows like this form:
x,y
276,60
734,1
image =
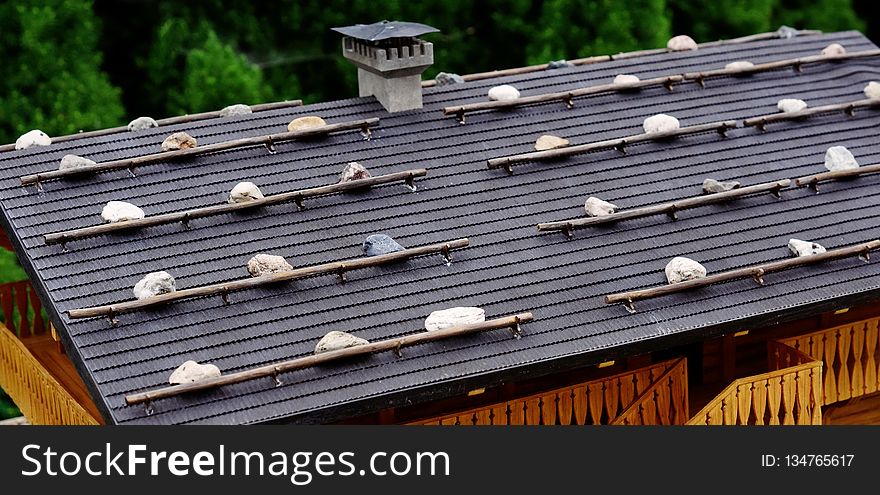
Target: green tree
x,y
827,15
52,77
582,28
707,20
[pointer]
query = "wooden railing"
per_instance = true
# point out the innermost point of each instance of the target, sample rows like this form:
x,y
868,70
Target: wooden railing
x,y
22,310
788,396
594,402
33,389
850,354
665,402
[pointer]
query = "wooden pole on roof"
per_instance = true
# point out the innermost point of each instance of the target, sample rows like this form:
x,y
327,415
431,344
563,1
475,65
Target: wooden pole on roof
x,y
671,208
796,63
757,272
564,96
339,268
268,140
180,119
406,176
848,108
814,180
619,144
273,370
617,56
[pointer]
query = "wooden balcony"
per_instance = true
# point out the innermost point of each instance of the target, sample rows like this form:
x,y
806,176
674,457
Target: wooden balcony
x,y
34,371
656,394
851,357
789,394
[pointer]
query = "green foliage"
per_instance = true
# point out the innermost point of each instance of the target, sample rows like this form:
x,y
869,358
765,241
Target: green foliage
x,y
827,15
7,407
582,28
10,269
52,76
706,20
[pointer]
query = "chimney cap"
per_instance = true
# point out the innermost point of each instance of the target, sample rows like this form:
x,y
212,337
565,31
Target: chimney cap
x,y
385,29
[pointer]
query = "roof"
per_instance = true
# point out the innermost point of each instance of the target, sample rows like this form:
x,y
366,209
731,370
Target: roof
x,y
509,266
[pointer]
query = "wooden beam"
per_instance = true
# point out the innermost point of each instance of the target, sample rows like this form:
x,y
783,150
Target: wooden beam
x,y
267,140
619,56
566,226
564,96
757,272
223,289
814,180
180,119
848,108
515,71
796,63
407,177
273,370
619,143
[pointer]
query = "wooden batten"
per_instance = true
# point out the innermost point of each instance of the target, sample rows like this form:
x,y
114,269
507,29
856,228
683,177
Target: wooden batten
x,y
671,209
180,119
619,56
339,268
814,180
796,63
406,176
620,144
273,370
563,96
848,108
756,272
268,140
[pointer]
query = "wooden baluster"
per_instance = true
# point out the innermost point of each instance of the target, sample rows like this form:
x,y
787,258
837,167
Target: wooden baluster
x,y
39,324
716,416
744,402
830,355
548,409
663,403
788,391
774,398
681,393
804,401
612,398
21,302
729,407
565,407
595,398
649,409
499,414
533,411
843,344
483,417
857,381
817,395
517,412
759,401
872,373
467,419
580,404
642,381
627,391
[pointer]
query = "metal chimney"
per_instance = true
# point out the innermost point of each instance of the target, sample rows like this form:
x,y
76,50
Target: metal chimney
x,y
390,61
